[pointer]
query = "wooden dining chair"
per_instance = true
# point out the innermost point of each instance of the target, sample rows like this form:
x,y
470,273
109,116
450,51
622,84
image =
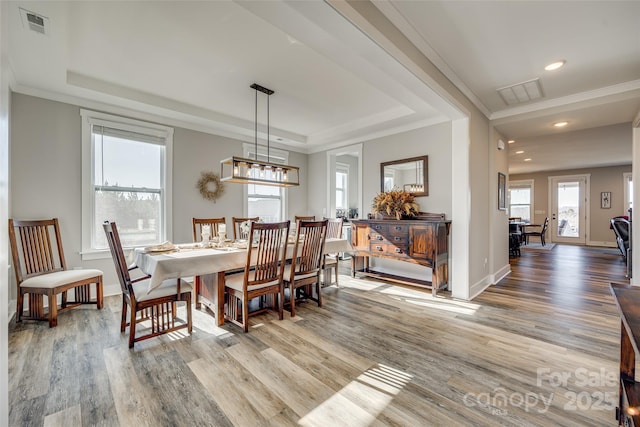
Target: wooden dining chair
x,y
237,232
334,231
40,268
303,274
262,275
542,230
157,305
212,222
299,218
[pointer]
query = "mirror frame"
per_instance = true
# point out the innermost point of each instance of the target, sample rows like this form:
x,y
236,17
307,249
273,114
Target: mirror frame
x,y
425,172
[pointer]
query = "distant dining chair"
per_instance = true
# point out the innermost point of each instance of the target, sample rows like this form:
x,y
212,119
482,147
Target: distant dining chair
x,y
307,260
157,305
261,277
212,222
299,218
334,231
237,231
40,268
539,233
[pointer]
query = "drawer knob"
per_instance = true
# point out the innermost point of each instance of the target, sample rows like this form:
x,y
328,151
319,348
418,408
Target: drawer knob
x,y
378,248
398,228
379,237
397,239
398,250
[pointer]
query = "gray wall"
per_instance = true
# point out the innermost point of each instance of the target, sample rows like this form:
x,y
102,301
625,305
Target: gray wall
x,y
46,176
601,179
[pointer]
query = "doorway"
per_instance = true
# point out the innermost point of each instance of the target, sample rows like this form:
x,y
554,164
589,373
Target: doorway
x,y
569,216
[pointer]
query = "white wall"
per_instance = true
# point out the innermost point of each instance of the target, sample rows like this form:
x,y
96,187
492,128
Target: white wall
x,y
4,214
46,142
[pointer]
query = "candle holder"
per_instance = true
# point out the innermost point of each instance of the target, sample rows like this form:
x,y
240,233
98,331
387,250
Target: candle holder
x,y
222,235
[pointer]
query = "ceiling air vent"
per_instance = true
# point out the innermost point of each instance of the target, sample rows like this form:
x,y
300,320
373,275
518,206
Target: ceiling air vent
x,y
521,92
34,22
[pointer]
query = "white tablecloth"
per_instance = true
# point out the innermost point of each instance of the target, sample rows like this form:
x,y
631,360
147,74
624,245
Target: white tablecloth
x,y
200,261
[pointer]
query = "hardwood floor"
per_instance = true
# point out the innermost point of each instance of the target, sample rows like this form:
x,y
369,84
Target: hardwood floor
x,y
539,348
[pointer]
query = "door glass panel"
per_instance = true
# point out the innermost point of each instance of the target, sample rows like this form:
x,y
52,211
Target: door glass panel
x,y
568,209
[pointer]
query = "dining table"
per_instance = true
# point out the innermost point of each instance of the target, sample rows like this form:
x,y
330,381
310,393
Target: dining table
x,y
209,263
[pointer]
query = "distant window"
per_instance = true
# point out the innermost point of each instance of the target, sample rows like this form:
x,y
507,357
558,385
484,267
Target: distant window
x,y
342,186
125,168
521,199
628,192
265,201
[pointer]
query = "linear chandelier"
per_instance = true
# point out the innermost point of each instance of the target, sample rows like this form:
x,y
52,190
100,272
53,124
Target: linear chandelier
x,y
253,171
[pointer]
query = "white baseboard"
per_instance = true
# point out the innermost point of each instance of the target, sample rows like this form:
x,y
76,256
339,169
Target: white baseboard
x,y
12,310
479,287
602,244
501,273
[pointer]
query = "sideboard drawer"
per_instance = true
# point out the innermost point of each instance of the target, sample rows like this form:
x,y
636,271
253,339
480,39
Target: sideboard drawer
x,y
388,249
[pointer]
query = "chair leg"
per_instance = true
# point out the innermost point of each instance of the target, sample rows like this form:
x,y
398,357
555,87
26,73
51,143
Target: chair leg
x,y
245,313
123,321
99,297
318,286
53,309
189,318
281,303
292,299
337,284
19,306
132,324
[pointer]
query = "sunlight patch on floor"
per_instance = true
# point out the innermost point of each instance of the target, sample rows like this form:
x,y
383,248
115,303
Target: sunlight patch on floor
x,y
361,401
424,299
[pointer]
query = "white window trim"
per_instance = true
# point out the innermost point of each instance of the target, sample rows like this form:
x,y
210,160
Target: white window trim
x,y
524,183
275,156
90,118
626,178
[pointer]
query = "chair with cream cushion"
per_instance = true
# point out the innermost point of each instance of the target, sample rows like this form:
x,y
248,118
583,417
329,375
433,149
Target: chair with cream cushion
x,y
262,275
303,274
41,269
237,231
213,223
334,231
157,305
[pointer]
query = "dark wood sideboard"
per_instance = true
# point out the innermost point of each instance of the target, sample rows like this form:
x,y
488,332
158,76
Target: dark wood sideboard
x,y
422,241
628,301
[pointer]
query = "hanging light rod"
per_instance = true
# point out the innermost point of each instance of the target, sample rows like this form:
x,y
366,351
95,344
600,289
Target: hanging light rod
x,y
254,171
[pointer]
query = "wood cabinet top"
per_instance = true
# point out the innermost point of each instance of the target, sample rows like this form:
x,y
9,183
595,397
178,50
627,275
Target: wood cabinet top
x,y
399,221
628,300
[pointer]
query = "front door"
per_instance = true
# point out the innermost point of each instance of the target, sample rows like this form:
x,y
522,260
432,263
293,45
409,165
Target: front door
x,y
568,216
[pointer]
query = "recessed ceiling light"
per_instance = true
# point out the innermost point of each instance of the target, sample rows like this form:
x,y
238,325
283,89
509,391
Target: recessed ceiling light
x,y
560,124
555,65
527,160
511,141
519,152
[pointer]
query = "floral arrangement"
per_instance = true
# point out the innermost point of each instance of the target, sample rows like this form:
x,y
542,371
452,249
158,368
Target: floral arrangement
x,y
395,202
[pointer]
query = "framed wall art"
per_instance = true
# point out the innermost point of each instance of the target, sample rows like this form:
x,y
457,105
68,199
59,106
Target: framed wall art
x,y
605,200
502,191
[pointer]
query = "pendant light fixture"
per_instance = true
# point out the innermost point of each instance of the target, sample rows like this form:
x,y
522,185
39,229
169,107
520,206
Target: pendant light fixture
x,y
253,171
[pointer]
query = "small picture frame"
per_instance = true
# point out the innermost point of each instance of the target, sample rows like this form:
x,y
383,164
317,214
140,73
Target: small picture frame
x,y
502,191
605,200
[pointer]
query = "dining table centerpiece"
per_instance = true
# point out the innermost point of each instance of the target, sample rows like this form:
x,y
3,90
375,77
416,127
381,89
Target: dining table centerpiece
x,y
395,203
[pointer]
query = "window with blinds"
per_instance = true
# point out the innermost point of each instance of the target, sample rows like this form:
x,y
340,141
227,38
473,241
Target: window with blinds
x,y
127,180
521,199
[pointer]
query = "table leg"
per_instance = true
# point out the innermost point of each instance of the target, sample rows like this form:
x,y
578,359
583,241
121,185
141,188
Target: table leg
x,y
211,295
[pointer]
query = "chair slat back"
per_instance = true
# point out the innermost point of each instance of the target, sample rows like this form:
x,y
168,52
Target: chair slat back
x,y
117,253
212,222
266,258
39,250
334,228
545,225
309,257
237,231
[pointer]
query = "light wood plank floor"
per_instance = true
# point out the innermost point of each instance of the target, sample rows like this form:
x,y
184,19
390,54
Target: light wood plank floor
x,y
539,348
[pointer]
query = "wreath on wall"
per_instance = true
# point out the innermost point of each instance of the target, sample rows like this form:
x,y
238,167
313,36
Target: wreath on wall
x,y
210,186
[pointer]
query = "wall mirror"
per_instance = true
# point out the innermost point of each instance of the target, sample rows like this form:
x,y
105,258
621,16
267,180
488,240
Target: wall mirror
x,y
407,174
